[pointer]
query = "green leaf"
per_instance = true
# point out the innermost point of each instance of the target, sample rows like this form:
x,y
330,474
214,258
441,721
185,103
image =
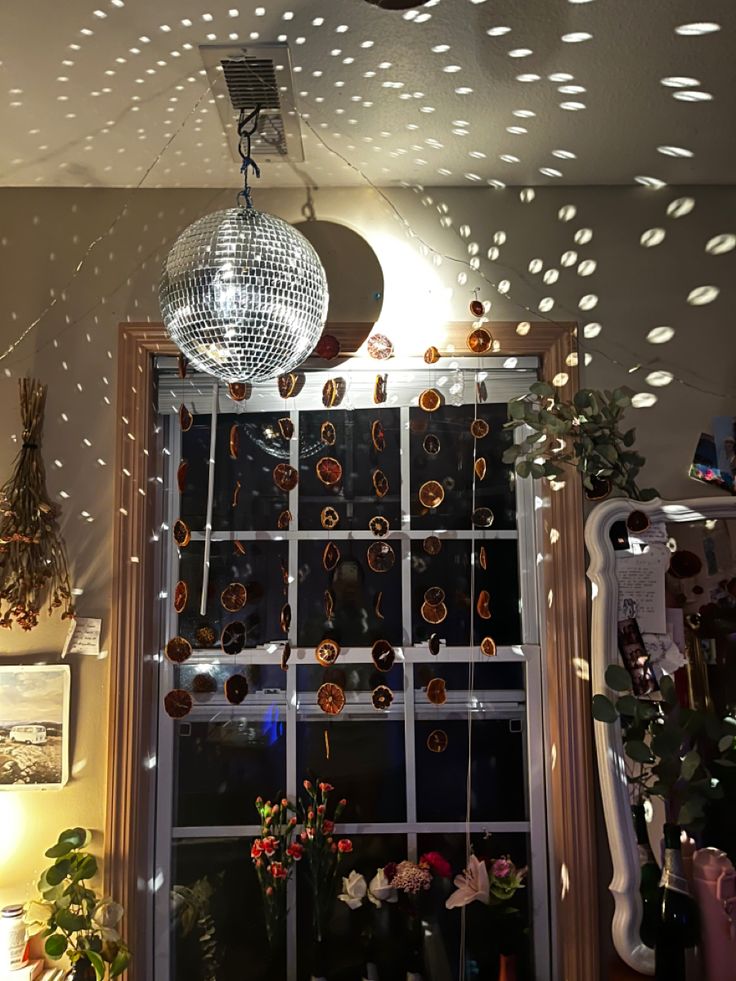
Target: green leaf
x,y
121,961
58,872
629,437
667,687
667,740
691,811
55,946
648,494
627,705
79,837
524,468
618,678
516,409
58,851
543,389
87,869
71,922
53,894
511,453
604,709
726,763
725,743
97,963
690,764
537,471
638,751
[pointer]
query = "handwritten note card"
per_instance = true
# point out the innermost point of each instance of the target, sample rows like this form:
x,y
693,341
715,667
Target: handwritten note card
x,y
641,589
83,637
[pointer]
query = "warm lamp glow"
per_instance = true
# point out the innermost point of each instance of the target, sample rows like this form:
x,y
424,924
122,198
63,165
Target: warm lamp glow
x,y
11,823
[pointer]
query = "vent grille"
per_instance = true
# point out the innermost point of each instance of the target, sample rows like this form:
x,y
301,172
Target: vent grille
x,y
259,75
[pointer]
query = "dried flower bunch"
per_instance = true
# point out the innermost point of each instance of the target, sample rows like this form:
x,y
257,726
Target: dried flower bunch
x,y
33,563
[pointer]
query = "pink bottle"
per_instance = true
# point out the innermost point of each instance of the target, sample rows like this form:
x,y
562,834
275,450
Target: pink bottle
x,y
714,881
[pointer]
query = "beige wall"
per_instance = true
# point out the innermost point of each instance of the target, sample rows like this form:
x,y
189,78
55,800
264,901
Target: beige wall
x,y
43,233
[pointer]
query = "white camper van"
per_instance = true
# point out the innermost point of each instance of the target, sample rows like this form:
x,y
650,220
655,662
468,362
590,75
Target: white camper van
x,y
34,734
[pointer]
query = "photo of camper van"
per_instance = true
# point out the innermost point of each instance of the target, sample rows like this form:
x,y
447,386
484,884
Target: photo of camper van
x,y
33,734
34,726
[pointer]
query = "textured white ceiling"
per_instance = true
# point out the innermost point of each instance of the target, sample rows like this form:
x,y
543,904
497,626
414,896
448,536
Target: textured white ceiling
x,y
92,91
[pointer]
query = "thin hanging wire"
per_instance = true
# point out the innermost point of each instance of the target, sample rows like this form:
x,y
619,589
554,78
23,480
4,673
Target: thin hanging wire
x,y
247,127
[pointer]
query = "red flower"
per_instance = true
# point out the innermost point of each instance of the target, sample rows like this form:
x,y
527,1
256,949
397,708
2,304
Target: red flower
x,y
277,870
437,863
321,809
256,849
326,788
295,851
308,785
328,827
269,845
389,870
345,846
269,891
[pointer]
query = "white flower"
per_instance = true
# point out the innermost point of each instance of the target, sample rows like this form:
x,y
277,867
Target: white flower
x,y
106,917
37,915
472,884
380,890
354,889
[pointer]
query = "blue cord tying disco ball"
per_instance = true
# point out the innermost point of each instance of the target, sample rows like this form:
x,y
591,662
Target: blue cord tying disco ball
x,y
243,295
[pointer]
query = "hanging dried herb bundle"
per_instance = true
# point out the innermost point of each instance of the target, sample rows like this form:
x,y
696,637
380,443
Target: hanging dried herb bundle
x,y
33,564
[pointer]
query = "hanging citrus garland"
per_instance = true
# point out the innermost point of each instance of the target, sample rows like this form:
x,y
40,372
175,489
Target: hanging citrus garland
x,y
33,563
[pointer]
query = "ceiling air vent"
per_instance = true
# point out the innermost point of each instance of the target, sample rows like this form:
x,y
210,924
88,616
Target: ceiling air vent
x,y
256,75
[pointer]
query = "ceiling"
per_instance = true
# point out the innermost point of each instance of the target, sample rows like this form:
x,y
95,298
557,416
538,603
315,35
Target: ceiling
x,y
465,92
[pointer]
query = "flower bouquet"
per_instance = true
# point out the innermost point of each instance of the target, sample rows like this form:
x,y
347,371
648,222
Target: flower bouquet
x,y
411,882
274,855
355,892
494,882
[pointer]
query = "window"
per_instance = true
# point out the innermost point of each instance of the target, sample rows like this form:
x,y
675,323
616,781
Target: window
x,y
355,587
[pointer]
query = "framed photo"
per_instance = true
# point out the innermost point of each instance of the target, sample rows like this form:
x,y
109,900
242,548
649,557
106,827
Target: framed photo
x,y
34,726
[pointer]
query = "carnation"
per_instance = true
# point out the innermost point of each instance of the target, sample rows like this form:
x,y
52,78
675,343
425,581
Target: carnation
x,y
437,863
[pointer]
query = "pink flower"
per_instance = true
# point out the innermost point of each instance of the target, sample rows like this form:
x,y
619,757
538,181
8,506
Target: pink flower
x,y
326,788
277,870
321,809
345,846
437,863
502,868
328,827
295,851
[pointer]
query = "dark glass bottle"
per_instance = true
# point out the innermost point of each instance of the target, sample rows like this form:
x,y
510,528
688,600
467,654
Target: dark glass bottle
x,y
649,876
677,932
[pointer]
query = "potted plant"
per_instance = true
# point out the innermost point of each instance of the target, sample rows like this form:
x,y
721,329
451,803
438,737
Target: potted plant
x,y
74,921
585,433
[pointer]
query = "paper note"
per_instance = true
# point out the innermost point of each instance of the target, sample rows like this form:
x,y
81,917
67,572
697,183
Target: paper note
x,y
652,538
83,637
641,590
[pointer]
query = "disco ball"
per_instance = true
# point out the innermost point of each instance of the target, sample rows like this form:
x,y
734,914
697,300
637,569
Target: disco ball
x,y
243,295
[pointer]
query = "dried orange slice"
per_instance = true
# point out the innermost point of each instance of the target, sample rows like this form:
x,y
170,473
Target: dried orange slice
x,y
287,384
203,683
236,689
239,547
333,391
380,483
380,347
479,341
205,636
284,576
186,419
383,655
430,400
328,470
284,519
431,494
481,391
380,389
285,618
329,517
431,355
637,522
480,468
382,696
331,698
178,650
181,476
285,655
483,606
329,603
236,494
285,477
330,556
181,595
327,652
182,364
238,391
476,307
178,703
328,347
181,534
433,614
377,605
379,525
233,637
234,441
433,644
378,436
483,558
432,545
437,741
234,597
437,691
482,517
286,427
380,556
434,595
488,646
479,428
431,444
328,434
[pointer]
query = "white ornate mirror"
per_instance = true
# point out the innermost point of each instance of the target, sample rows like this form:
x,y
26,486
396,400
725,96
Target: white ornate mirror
x,y
706,528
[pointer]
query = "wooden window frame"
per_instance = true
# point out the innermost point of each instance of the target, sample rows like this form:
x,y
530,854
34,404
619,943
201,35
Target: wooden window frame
x,y
133,696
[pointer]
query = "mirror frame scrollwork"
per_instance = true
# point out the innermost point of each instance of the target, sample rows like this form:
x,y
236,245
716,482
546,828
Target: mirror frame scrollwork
x,y
624,884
